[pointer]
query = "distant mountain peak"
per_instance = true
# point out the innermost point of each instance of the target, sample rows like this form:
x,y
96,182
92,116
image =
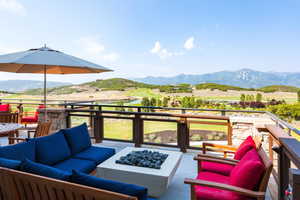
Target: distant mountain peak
x,y
244,77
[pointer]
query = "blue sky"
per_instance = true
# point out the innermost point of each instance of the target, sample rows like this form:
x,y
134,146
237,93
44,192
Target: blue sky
x,y
139,38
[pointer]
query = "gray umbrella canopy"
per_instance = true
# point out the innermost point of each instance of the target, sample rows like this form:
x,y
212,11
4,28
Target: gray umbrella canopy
x,y
47,61
55,62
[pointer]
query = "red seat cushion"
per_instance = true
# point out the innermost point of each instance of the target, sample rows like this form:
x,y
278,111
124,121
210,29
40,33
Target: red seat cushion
x,y
209,193
244,147
248,172
29,119
4,108
220,168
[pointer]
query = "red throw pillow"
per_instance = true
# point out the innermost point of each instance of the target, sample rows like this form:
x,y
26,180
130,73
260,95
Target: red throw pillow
x,y
247,173
247,145
4,107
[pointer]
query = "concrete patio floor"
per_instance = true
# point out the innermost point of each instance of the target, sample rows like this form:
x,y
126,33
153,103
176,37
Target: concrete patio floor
x,y
187,169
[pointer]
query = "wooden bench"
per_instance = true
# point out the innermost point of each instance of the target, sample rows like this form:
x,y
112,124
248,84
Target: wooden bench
x,y
17,185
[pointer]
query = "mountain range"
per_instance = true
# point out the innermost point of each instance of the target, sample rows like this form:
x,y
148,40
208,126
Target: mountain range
x,y
245,78
22,85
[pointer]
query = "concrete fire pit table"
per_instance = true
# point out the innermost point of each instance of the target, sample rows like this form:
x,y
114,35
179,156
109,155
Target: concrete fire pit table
x,y
156,180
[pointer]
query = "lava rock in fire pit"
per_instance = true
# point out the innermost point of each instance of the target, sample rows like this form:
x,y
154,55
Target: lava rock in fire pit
x,y
145,158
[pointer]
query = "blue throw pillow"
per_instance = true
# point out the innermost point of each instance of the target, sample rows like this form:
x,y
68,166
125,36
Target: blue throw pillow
x,y
113,186
44,170
19,151
52,149
78,138
8,163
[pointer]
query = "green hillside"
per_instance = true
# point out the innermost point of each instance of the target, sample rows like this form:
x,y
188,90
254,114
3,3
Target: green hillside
x,y
123,84
279,88
215,86
55,90
117,84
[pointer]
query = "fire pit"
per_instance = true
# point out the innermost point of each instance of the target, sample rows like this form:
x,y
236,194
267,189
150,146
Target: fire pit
x,y
145,158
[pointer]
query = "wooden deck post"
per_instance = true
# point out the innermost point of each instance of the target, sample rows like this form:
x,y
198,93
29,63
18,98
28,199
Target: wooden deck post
x,y
138,131
295,183
229,133
182,134
98,127
283,172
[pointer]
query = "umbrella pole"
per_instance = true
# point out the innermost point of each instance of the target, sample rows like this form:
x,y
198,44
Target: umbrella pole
x,y
45,92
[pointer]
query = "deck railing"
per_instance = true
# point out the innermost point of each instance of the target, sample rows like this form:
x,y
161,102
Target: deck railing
x,y
280,141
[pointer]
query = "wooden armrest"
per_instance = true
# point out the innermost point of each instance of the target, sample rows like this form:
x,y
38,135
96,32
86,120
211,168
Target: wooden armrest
x,y
16,138
217,157
220,147
222,186
229,162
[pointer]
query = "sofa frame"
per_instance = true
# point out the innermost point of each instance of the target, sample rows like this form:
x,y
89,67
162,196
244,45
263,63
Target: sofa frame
x,y
17,185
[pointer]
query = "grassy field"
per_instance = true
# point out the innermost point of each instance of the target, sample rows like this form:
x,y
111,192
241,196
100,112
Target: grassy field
x,y
143,92
122,128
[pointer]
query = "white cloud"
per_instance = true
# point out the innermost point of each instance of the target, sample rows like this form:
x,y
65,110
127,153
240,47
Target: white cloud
x,y
12,6
93,48
189,43
163,52
156,48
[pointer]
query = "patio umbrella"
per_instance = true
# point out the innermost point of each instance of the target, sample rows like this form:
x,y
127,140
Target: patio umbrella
x,y
47,61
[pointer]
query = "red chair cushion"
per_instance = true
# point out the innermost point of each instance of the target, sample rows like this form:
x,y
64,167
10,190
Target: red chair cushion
x,y
4,108
220,168
209,193
29,119
244,147
248,172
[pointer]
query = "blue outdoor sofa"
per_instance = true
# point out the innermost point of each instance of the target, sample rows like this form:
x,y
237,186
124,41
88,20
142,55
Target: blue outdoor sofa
x,y
67,155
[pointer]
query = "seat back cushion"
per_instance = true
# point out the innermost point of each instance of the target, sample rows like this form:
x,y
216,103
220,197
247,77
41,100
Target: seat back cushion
x,y
4,108
19,151
52,149
244,147
44,170
114,186
8,163
78,138
248,172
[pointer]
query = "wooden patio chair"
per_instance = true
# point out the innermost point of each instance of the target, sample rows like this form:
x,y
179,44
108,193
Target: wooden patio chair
x,y
258,194
9,117
225,149
42,129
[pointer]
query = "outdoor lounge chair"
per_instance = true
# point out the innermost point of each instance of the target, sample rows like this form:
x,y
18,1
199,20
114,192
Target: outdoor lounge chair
x,y
247,180
223,168
31,117
227,149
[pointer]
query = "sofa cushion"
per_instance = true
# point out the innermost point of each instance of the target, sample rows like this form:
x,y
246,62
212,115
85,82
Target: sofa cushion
x,y
248,172
52,149
78,138
29,119
85,166
8,163
244,147
220,168
44,170
96,154
114,186
19,151
209,193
